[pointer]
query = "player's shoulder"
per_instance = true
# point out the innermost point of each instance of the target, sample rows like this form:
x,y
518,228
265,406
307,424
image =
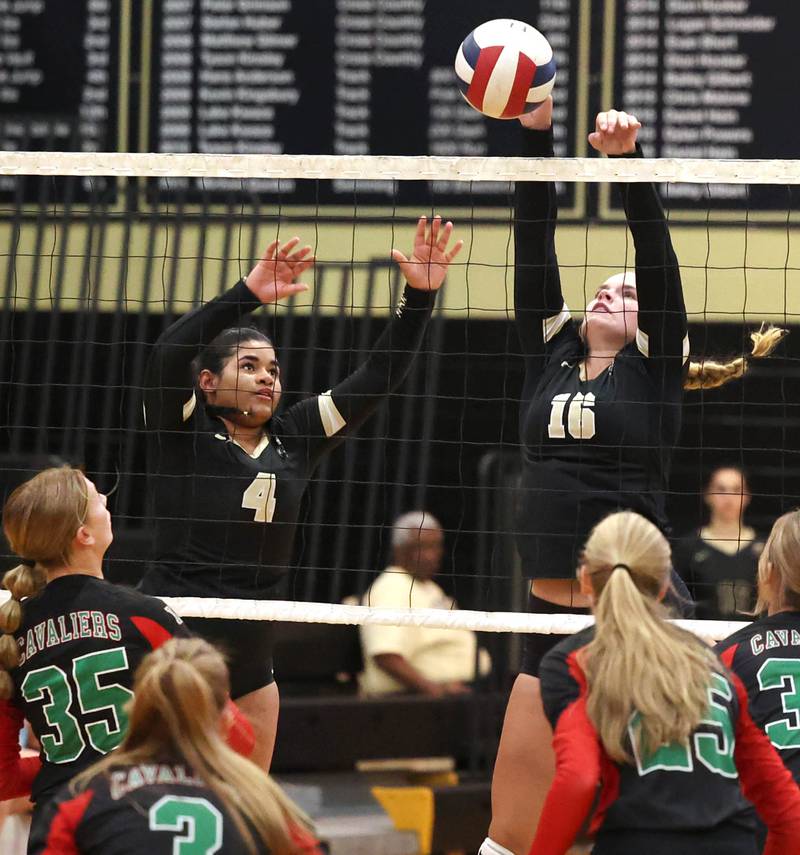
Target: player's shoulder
x,y
778,631
294,420
149,615
563,658
736,638
62,816
566,344
561,674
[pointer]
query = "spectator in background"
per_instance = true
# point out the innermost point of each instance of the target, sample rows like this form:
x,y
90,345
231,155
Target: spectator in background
x,y
719,563
427,661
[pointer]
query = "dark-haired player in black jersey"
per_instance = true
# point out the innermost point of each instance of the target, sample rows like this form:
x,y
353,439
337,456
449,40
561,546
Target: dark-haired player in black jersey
x,y
173,786
599,417
652,735
227,473
766,654
69,651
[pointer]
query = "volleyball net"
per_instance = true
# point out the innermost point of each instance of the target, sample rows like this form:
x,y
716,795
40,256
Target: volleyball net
x,y
103,251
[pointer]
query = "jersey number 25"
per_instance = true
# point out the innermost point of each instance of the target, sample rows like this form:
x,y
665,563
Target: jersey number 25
x,y
580,416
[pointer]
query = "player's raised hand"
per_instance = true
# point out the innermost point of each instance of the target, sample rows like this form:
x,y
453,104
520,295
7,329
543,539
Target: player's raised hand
x,y
539,119
615,132
273,277
427,266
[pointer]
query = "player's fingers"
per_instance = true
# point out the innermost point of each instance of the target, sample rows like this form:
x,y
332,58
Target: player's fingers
x,y
301,253
444,237
634,123
422,223
292,288
454,251
399,257
622,121
301,266
269,252
290,244
601,123
436,224
611,121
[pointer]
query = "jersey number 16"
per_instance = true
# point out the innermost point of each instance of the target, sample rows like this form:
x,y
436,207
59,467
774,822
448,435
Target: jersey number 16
x,y
580,416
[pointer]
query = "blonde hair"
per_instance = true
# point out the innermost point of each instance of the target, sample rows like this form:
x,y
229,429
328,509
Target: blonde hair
x,y
40,519
631,664
179,693
709,374
782,553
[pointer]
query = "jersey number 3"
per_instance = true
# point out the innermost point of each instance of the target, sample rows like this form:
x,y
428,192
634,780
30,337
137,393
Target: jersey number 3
x,y
197,819
260,496
580,416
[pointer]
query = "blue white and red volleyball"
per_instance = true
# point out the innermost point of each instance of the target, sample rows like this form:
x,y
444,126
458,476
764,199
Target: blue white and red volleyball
x,y
505,68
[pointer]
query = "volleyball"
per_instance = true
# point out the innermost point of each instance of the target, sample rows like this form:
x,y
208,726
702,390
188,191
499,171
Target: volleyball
x,y
505,68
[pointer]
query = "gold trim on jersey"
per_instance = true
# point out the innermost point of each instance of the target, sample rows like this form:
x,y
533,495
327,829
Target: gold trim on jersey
x,y
332,420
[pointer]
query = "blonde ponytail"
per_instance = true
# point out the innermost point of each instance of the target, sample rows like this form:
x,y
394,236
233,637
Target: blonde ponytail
x,y
710,374
180,692
632,662
23,581
40,519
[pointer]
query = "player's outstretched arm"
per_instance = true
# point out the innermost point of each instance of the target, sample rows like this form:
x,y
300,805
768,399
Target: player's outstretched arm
x,y
350,402
662,312
539,307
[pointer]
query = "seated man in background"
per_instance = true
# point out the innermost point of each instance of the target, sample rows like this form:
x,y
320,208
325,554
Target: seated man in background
x,y
427,661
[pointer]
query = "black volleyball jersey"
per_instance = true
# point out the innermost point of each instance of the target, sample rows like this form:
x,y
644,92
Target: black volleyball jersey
x,y
678,793
722,585
765,655
225,519
592,447
153,808
80,642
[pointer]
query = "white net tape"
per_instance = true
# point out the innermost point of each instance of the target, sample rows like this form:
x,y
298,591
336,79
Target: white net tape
x,y
297,612
241,166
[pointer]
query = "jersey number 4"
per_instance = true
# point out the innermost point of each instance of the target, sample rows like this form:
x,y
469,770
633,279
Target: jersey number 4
x,y
260,496
580,416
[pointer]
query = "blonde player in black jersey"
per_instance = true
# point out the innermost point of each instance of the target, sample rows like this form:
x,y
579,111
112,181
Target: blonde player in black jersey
x,y
71,640
227,472
654,741
599,417
765,655
173,785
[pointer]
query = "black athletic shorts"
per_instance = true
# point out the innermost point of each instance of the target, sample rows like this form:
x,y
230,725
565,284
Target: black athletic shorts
x,y
247,646
536,645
